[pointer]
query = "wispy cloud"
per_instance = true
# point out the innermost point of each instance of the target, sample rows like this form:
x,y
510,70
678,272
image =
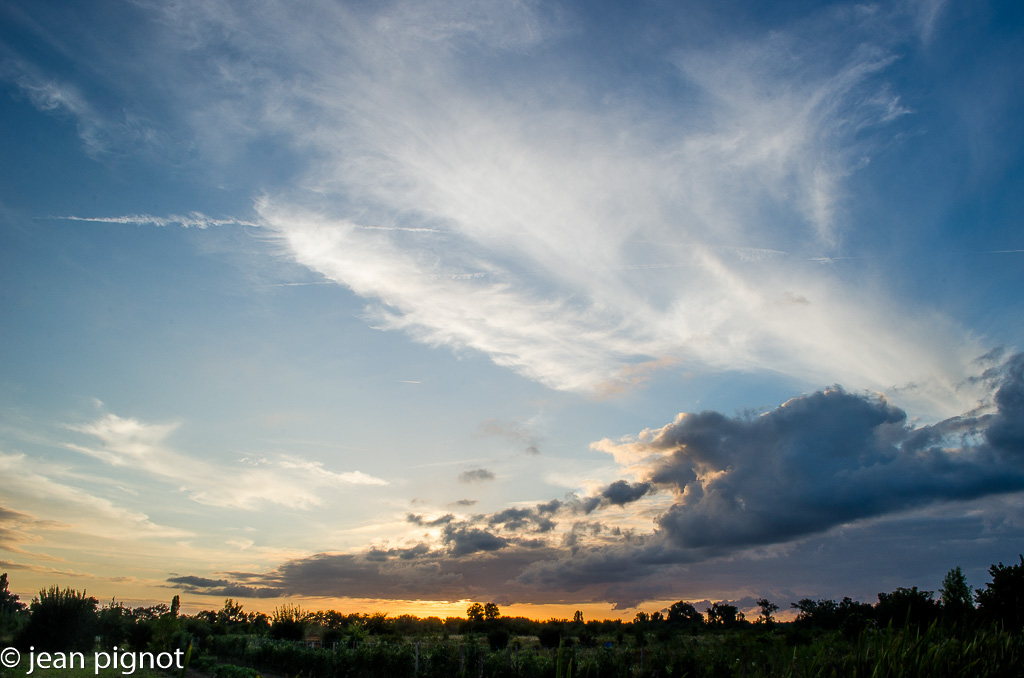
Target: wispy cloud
x,y
549,207
549,221
30,480
284,480
100,133
519,431
190,220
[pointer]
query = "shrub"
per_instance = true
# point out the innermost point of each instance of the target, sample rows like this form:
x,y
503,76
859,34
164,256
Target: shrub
x,y
549,636
498,638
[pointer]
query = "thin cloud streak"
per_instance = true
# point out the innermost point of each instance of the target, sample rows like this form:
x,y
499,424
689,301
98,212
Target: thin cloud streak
x,y
284,480
191,220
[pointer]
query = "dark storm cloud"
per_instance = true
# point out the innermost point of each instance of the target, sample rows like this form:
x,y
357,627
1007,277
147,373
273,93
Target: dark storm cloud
x,y
621,492
639,568
618,493
477,475
827,459
464,541
522,518
412,553
435,576
549,507
1006,432
224,588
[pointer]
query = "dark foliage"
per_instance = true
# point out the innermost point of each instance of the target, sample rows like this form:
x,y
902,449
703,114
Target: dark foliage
x,y
1002,599
13,612
550,635
908,607
61,621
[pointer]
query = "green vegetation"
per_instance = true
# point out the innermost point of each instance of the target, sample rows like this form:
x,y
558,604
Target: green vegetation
x,y
906,633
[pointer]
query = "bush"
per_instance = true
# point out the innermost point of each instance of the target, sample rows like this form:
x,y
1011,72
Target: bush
x,y
549,636
498,638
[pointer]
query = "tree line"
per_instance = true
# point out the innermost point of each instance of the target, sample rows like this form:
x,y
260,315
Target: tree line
x,y
66,619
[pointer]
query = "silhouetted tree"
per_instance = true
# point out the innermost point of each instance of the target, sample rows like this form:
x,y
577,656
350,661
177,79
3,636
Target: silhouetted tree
x,y
821,614
61,621
768,609
849,615
288,623
1002,599
475,612
12,611
491,611
906,606
957,598
724,615
114,622
232,614
378,624
684,614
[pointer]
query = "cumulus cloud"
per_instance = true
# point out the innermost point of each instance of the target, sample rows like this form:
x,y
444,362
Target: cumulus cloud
x,y
621,492
522,518
824,460
464,541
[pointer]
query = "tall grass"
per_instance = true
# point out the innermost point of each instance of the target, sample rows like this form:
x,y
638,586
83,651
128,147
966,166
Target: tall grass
x,y
932,652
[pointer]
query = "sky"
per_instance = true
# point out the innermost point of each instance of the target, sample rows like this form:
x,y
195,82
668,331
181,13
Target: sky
x,y
561,305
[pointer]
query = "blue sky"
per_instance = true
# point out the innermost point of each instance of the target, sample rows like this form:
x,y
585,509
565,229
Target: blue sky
x,y
561,305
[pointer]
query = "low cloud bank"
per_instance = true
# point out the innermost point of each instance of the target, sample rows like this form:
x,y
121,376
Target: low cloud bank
x,y
729,486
